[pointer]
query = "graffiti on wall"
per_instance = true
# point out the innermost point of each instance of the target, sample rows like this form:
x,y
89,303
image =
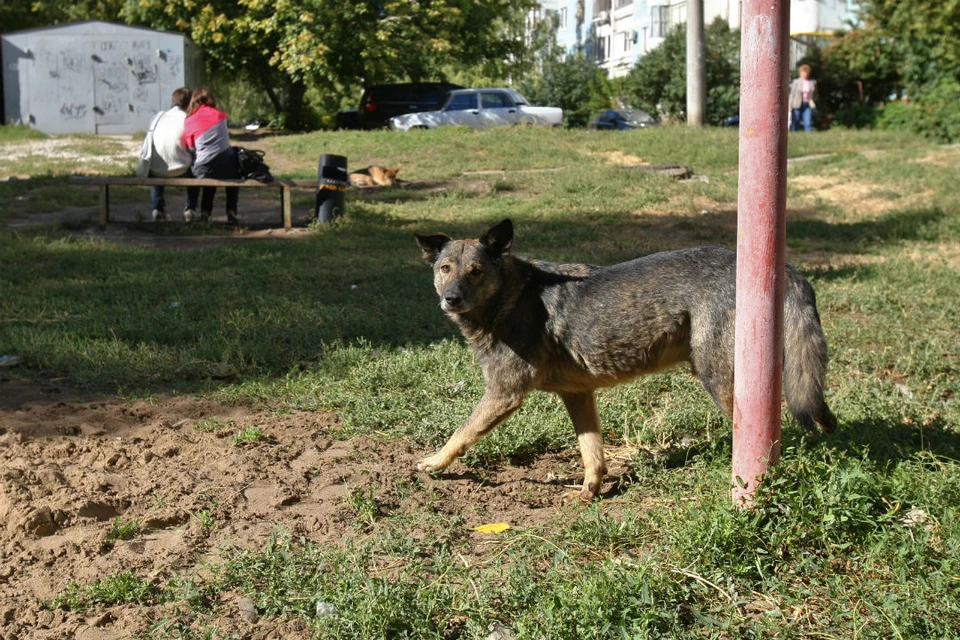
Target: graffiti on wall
x,y
78,82
73,111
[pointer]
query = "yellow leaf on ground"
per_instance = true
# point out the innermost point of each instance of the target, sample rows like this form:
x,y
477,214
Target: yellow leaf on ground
x,y
493,527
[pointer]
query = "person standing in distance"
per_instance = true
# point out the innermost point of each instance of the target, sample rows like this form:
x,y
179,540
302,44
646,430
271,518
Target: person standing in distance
x,y
803,100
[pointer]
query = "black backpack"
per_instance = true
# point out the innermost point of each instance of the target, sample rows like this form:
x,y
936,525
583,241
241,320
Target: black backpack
x,y
251,166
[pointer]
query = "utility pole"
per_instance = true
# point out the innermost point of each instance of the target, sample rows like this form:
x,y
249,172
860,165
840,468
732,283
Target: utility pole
x,y
696,74
761,242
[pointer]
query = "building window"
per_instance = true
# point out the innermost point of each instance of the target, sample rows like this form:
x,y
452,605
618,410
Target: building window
x,y
623,3
563,18
659,21
679,13
627,45
599,6
603,48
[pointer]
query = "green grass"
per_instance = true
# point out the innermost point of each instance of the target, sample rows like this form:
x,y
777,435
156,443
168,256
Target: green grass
x,y
19,133
855,535
121,530
249,435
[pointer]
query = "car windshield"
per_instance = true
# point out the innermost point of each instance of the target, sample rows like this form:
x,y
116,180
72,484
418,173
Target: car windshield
x,y
637,116
516,97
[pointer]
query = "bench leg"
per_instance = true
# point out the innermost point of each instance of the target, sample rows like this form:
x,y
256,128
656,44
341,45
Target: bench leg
x,y
104,205
287,212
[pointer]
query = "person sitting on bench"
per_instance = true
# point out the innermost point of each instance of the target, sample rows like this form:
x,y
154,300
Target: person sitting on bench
x,y
205,134
170,159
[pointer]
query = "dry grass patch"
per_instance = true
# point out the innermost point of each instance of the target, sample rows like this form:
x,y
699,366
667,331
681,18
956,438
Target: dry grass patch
x,y
619,158
936,253
857,198
944,157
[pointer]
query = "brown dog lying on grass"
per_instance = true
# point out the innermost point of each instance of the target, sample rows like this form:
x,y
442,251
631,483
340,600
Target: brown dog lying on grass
x,y
572,328
374,176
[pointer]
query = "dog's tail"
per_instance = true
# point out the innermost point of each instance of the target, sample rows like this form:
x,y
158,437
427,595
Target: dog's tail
x,y
805,357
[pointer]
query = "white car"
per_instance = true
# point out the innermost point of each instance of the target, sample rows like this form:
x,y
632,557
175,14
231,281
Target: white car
x,y
479,109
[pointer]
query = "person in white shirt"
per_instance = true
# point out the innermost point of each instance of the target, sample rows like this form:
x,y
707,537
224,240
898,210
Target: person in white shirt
x,y
170,158
803,97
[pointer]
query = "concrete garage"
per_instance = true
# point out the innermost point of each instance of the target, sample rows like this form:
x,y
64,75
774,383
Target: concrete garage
x,y
93,77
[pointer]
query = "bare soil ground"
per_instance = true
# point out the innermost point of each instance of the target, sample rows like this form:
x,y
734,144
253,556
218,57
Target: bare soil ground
x,y
73,463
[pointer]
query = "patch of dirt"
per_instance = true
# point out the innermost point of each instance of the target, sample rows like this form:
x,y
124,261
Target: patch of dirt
x,y
945,156
73,463
65,149
620,158
855,197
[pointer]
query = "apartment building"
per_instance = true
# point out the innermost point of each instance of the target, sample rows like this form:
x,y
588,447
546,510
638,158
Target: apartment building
x,y
618,32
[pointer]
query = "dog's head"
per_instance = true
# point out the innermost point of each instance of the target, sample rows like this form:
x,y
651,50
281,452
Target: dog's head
x,y
466,273
390,174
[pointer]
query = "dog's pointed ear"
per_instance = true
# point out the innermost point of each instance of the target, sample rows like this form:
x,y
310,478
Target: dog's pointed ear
x,y
432,244
499,238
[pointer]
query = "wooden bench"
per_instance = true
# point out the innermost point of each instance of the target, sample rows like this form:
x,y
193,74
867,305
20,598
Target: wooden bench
x,y
105,182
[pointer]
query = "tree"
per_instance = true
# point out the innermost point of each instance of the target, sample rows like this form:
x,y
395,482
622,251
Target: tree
x,y
285,46
904,49
658,82
571,81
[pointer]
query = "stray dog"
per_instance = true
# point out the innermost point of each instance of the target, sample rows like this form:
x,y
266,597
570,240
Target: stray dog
x,y
572,328
374,176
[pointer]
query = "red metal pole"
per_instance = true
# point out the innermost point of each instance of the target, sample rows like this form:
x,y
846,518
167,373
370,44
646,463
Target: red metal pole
x,y
761,240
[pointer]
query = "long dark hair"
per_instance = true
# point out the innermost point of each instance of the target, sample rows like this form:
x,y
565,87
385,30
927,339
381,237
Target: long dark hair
x,y
201,96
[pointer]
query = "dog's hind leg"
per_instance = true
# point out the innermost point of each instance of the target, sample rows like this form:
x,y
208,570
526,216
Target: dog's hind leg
x,y
494,408
582,408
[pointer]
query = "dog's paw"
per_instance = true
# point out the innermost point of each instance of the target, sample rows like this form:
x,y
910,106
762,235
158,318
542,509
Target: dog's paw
x,y
584,496
432,464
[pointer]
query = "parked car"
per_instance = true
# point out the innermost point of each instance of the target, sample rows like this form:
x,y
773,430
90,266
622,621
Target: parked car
x,y
381,102
619,119
479,109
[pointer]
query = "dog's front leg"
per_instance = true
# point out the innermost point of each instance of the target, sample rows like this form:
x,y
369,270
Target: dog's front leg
x,y
582,408
495,407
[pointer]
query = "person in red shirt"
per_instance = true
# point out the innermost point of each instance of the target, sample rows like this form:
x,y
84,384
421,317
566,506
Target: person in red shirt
x,y
205,134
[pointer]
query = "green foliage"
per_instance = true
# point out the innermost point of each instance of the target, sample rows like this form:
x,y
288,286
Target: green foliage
x,y
658,83
901,48
121,530
571,81
17,132
212,424
936,111
121,588
894,115
206,519
287,48
250,435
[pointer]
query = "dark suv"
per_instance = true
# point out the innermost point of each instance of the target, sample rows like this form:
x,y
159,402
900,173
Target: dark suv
x,y
381,102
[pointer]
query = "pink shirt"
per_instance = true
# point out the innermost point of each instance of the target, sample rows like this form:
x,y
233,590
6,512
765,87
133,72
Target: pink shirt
x,y
206,131
806,90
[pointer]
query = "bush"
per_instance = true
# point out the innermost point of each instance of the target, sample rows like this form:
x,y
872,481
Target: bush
x,y
574,84
894,115
658,83
935,112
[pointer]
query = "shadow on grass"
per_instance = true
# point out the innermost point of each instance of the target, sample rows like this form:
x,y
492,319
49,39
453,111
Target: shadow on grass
x,y
110,316
885,442
892,228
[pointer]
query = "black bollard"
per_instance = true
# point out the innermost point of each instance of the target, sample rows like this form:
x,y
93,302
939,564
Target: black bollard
x,y
331,187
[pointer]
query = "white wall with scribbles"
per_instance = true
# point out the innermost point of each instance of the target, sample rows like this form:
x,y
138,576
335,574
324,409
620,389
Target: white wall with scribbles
x,y
93,77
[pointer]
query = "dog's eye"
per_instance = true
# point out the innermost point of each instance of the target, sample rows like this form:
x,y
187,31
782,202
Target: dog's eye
x,y
444,268
476,273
